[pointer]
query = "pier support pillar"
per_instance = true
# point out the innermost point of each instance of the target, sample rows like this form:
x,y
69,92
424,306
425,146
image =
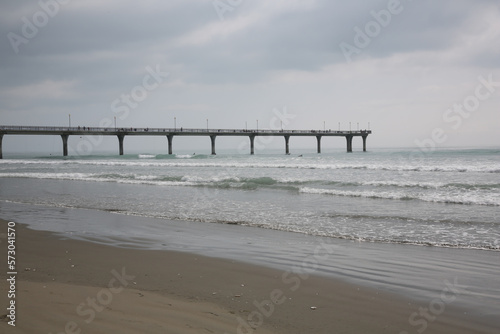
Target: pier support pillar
x,y
364,143
252,138
349,143
212,138
287,146
170,138
319,143
65,144
1,137
120,142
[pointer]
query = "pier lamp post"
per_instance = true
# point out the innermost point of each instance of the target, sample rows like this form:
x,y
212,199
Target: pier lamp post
x,y
69,117
339,126
324,126
175,123
246,126
350,126
115,123
257,125
207,124
358,126
281,125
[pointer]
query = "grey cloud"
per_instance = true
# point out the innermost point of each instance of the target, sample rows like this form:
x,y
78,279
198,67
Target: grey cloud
x,y
102,49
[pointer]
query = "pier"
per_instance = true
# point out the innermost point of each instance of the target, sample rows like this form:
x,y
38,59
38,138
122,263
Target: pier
x,y
170,133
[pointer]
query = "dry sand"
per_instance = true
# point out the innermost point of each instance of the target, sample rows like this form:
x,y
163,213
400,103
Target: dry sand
x,y
68,286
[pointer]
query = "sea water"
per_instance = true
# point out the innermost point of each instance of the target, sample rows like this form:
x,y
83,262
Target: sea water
x,y
444,198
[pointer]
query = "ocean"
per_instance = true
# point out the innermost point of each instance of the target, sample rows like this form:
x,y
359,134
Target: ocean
x,y
446,198
401,219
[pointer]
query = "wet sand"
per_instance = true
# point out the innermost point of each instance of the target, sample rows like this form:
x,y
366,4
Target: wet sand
x,y
72,286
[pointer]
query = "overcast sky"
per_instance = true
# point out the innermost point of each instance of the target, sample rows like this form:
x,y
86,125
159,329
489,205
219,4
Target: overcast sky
x,y
416,71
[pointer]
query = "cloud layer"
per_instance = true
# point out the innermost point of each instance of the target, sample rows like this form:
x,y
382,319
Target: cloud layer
x,y
233,62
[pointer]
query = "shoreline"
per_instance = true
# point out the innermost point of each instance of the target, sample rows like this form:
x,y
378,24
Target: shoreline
x,y
188,293
420,273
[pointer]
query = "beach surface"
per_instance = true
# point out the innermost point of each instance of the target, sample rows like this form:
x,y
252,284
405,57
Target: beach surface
x,y
72,286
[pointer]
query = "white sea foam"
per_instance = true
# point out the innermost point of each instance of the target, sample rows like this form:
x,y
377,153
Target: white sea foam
x,y
146,160
147,156
489,200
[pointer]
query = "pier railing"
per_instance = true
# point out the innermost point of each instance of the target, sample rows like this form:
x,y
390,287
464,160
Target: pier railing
x,y
6,129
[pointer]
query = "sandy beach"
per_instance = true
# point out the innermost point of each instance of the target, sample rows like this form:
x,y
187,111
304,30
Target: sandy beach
x,y
70,286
